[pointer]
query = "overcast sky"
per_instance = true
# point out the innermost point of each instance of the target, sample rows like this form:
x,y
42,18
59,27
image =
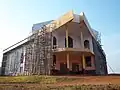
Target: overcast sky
x,y
18,16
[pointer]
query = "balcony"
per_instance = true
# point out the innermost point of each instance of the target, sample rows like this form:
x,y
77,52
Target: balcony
x,y
58,49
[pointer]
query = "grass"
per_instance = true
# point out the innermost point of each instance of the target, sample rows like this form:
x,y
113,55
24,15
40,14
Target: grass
x,y
35,79
27,79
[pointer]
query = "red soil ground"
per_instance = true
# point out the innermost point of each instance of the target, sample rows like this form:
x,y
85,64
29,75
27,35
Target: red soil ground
x,y
78,80
95,80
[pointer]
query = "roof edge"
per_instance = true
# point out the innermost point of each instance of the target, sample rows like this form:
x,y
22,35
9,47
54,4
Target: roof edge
x,y
15,45
83,17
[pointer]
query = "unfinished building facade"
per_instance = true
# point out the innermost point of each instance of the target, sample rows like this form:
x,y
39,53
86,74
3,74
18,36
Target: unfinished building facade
x,y
67,45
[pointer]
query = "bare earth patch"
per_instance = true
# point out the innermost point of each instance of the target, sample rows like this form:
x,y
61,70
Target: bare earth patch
x,y
57,82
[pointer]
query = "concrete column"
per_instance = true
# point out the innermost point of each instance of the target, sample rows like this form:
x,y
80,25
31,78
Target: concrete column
x,y
67,47
82,46
92,61
83,61
82,42
66,37
68,63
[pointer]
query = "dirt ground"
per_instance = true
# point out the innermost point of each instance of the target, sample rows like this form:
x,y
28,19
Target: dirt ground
x,y
95,80
80,80
69,83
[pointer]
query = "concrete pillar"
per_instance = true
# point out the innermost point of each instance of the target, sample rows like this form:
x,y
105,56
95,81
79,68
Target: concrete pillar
x,y
92,61
82,42
67,47
66,37
68,66
83,57
83,61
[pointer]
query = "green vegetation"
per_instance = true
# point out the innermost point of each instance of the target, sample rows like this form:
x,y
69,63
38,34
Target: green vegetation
x,y
27,79
34,79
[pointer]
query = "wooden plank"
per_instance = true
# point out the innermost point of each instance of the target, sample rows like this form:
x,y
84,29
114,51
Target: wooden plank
x,y
62,20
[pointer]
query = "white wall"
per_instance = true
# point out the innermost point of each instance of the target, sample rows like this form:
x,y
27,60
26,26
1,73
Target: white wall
x,y
76,39
13,61
87,36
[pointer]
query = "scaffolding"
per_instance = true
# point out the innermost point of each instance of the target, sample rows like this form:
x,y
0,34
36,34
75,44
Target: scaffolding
x,y
38,58
28,56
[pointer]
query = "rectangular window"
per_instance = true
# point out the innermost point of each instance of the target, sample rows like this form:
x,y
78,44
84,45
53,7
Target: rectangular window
x,y
88,61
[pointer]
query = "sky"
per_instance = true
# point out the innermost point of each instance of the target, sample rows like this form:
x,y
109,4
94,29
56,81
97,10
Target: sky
x,y
18,16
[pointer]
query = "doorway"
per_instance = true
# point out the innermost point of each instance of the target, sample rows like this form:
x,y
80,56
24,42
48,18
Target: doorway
x,y
63,68
75,68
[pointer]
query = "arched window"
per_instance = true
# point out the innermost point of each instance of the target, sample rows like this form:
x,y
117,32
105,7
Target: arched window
x,y
86,44
54,42
70,42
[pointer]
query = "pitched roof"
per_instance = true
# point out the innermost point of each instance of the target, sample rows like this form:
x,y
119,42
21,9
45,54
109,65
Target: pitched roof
x,y
70,16
83,17
67,17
